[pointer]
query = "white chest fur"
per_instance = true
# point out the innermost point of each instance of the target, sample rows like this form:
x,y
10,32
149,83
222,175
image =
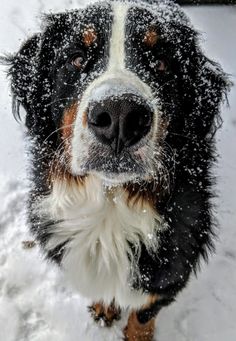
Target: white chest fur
x,y
100,227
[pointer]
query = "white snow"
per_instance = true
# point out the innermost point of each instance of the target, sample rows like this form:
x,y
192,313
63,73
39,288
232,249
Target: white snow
x,y
35,303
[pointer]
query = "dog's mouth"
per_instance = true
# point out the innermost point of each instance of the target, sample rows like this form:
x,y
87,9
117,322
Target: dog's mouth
x,y
129,165
114,180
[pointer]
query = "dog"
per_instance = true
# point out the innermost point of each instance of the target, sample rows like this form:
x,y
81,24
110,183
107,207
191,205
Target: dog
x,y
121,107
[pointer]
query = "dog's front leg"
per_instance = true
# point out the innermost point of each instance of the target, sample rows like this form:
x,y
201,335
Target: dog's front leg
x,y
141,323
137,331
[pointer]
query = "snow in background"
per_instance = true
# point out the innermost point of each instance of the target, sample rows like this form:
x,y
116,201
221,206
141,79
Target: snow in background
x,y
35,303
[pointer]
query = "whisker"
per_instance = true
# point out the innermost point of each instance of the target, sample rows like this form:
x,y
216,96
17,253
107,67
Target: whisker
x,y
55,152
58,129
59,100
181,135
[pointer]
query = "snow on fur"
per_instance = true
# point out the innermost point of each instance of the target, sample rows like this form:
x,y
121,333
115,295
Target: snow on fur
x,y
35,302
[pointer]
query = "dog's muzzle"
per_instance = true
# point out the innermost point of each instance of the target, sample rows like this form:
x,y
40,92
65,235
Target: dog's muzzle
x,y
120,122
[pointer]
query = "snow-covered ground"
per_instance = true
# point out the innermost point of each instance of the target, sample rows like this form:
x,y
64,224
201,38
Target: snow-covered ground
x,y
35,303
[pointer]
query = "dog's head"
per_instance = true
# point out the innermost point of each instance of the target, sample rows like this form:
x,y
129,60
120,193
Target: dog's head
x,y
117,88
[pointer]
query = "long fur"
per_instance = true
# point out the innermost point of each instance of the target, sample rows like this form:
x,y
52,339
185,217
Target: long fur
x,y
146,233
99,226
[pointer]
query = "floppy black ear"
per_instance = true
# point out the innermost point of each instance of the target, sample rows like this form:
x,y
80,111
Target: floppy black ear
x,y
30,72
204,85
22,68
212,86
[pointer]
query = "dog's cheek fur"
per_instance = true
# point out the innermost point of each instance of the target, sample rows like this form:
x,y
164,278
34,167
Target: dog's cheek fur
x,y
69,117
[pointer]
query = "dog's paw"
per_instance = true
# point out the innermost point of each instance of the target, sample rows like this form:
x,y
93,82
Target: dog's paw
x,y
104,315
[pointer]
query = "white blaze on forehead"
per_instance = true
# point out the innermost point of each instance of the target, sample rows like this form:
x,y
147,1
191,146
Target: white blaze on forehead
x,y
117,77
117,42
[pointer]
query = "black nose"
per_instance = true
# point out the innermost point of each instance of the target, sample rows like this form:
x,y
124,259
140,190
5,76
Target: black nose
x,y
120,122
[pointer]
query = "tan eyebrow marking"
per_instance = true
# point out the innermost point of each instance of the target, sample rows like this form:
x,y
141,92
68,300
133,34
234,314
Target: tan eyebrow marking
x,y
151,37
89,36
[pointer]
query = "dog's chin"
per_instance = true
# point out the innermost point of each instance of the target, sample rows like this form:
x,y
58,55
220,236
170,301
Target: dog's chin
x,y
117,179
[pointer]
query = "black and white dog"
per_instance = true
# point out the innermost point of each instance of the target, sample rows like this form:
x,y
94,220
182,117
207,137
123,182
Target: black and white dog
x,y
122,107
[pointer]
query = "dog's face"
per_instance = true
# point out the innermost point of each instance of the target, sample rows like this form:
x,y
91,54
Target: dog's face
x,y
118,116
118,82
114,67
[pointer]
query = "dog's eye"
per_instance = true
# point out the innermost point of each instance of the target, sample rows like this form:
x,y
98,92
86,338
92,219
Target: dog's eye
x,y
77,61
159,65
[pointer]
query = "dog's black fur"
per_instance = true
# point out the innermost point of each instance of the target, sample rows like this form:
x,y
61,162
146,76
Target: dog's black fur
x,y
190,92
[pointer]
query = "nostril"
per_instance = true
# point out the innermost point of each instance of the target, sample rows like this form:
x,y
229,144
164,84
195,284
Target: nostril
x,y
104,120
101,120
143,118
138,121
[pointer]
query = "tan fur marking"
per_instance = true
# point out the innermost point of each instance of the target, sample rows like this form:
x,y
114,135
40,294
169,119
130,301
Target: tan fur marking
x,y
135,331
150,301
84,119
141,196
151,37
107,313
89,37
58,171
68,120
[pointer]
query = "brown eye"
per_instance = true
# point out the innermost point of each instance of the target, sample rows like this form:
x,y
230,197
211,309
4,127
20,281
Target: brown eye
x,y
159,65
78,62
